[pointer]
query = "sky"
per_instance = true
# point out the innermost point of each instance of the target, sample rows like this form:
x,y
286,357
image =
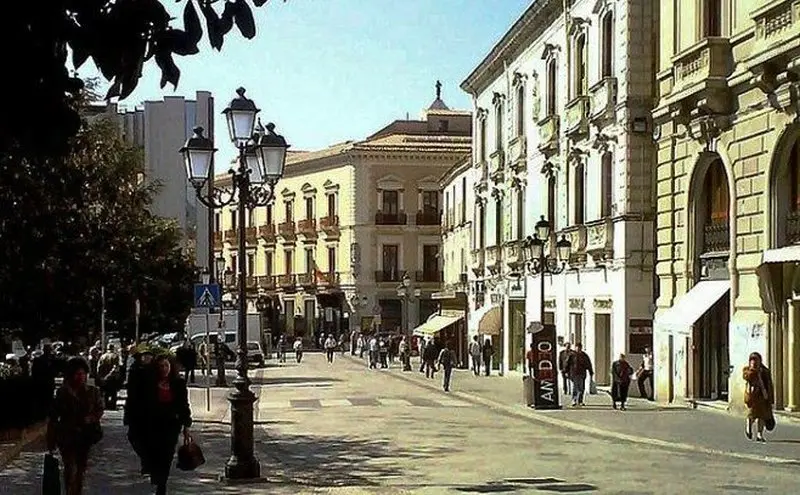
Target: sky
x,y
327,71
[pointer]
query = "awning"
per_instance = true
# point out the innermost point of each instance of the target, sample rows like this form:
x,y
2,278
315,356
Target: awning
x,y
692,305
488,320
771,272
436,324
788,254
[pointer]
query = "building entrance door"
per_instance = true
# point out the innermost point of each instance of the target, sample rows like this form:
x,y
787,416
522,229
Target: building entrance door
x,y
517,335
711,353
602,348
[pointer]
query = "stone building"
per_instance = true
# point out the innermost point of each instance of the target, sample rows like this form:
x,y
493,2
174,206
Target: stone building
x,y
728,197
562,107
348,223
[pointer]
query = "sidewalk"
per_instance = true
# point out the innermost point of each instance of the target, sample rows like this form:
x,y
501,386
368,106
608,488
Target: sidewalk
x,y
644,422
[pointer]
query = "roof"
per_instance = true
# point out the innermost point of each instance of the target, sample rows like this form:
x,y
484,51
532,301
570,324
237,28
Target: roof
x,y
458,167
304,156
414,142
438,104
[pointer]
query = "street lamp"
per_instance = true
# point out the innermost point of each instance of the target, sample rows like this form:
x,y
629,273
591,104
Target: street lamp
x,y
262,157
540,263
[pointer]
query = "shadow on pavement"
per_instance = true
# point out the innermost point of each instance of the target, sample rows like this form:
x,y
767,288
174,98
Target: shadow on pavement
x,y
292,380
539,484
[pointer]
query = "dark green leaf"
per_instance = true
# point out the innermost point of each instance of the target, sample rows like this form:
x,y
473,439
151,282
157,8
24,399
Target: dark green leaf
x,y
169,71
114,89
178,42
191,22
259,3
228,13
216,36
244,19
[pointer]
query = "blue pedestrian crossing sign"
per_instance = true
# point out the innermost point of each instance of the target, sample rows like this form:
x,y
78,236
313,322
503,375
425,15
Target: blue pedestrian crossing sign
x,y
206,296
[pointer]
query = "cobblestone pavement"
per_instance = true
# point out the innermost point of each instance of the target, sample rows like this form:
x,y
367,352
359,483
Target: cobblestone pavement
x,y
343,429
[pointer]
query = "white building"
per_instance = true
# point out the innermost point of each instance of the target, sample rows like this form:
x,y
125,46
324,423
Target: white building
x,y
562,130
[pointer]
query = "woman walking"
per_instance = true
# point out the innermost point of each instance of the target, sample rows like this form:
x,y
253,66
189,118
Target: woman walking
x,y
74,424
758,396
168,412
621,373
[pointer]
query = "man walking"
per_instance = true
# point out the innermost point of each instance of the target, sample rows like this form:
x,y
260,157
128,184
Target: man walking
x,y
330,347
445,360
475,355
487,351
579,364
562,366
645,374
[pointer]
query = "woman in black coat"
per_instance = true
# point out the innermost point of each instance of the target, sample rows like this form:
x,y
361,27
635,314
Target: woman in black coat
x,y
168,413
621,372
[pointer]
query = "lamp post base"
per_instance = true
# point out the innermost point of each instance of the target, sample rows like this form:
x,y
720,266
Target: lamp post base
x,y
242,464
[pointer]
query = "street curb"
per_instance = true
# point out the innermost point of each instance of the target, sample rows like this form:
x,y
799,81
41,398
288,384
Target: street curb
x,y
528,414
29,436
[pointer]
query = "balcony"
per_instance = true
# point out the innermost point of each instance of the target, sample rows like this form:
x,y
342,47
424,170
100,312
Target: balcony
x,y
287,231
494,258
429,217
548,134
266,282
217,240
268,233
716,237
604,100
230,236
306,280
428,276
382,218
251,283
777,31
308,228
600,240
478,262
577,117
330,225
286,281
497,165
392,275
577,237
251,235
329,280
701,74
513,255
518,153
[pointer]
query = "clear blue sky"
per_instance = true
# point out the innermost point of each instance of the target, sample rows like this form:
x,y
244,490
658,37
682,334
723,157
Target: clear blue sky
x,y
327,71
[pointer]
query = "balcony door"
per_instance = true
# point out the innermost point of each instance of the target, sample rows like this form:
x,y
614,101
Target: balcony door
x,y
391,202
430,262
391,262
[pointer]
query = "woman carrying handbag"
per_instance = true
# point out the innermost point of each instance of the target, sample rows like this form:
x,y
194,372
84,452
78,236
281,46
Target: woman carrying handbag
x,y
759,395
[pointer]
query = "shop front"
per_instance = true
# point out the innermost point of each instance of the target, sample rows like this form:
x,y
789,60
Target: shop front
x,y
487,324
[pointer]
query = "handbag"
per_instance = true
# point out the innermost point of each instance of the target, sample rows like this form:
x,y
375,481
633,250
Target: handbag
x,y
190,456
592,387
51,475
769,423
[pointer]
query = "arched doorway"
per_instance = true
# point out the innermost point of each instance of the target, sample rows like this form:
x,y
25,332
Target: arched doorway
x,y
710,351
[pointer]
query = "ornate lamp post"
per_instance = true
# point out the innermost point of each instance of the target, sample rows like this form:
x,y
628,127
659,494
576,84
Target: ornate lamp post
x,y
540,263
262,157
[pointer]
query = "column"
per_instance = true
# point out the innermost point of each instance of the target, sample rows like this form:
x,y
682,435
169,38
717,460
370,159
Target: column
x,y
793,354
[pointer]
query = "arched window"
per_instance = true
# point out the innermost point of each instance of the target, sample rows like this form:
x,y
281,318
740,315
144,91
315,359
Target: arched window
x,y
792,226
606,185
482,140
581,72
552,84
607,56
498,126
716,229
580,195
551,201
520,109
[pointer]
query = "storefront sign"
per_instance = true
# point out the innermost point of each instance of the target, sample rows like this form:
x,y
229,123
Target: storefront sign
x,y
545,374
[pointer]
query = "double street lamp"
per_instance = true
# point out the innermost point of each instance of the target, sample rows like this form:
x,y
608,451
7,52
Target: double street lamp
x,y
540,263
262,157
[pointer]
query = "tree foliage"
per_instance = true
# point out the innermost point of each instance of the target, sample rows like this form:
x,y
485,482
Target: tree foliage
x,y
81,224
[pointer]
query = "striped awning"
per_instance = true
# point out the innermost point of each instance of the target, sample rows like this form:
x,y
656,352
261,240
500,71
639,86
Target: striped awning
x,y
436,324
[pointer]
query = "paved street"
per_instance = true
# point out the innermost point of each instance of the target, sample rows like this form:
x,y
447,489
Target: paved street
x,y
344,429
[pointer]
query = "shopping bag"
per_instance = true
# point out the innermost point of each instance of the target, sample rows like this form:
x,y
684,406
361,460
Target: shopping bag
x,y
592,387
190,456
51,477
769,423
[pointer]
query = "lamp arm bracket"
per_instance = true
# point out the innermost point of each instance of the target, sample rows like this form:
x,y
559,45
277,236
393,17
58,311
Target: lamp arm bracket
x,y
220,197
260,195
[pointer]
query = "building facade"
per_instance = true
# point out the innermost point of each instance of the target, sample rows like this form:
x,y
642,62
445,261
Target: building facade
x,y
728,202
348,224
161,128
562,107
459,203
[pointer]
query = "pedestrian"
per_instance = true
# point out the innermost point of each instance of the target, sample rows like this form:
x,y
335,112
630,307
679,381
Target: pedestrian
x,y
530,358
445,360
298,349
383,351
475,355
330,347
74,425
108,377
140,375
422,344
487,351
563,356
405,353
645,374
167,411
621,372
429,356
187,357
579,364
759,395
282,349
374,352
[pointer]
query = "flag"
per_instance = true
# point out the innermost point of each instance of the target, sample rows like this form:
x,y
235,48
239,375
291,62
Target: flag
x,y
319,275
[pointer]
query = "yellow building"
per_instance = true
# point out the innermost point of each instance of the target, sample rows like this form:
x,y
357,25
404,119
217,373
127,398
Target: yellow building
x,y
348,222
728,197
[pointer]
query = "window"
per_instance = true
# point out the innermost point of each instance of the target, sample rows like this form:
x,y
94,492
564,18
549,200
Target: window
x,y
606,185
217,222
289,206
447,209
712,18
391,202
520,109
482,140
498,221
607,57
288,256
309,208
794,177
270,219
481,227
498,126
444,125
716,193
234,266
310,263
430,262
430,202
552,84
580,194
251,217
251,264
576,328
581,75
331,205
520,213
391,263
463,200
268,263
331,260
551,201
233,220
